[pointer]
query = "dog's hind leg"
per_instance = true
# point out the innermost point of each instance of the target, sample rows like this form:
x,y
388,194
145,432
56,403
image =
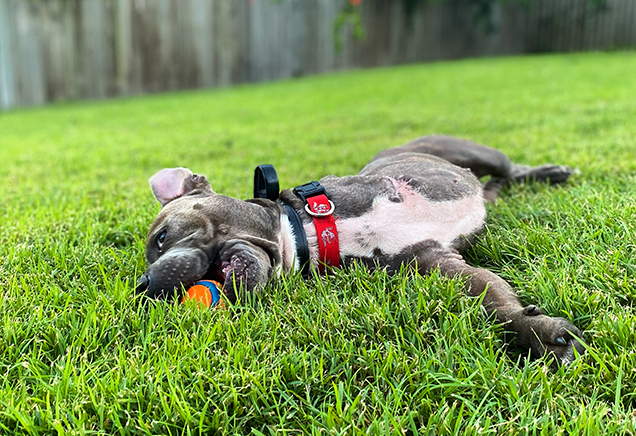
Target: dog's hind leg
x,y
542,335
482,161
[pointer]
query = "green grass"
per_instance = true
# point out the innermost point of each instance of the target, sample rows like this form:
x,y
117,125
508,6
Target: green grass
x,y
356,352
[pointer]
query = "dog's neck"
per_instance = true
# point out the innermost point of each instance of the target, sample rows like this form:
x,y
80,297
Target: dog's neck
x,y
289,249
287,245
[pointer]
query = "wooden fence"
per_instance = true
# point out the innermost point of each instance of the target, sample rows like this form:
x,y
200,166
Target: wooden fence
x,y
53,50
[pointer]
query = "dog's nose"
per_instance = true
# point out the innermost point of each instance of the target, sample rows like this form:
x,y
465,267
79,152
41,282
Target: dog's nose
x,y
142,284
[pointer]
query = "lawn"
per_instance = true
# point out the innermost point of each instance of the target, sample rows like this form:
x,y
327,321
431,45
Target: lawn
x,y
355,352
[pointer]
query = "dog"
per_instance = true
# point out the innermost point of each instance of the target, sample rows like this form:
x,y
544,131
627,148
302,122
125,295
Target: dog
x,y
420,204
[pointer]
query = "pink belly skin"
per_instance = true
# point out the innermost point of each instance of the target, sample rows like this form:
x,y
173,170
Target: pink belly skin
x,y
391,227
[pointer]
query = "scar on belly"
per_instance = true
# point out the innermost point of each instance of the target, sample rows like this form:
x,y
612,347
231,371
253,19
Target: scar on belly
x,y
400,187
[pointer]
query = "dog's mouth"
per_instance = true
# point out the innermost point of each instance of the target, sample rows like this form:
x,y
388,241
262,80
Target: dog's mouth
x,y
215,272
226,274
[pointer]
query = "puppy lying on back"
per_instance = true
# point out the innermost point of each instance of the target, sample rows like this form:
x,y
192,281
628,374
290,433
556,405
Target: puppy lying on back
x,y
420,204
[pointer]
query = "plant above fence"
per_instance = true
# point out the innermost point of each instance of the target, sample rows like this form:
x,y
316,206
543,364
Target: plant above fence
x,y
482,12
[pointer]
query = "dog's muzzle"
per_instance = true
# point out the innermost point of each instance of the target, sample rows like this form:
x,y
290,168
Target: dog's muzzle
x,y
172,272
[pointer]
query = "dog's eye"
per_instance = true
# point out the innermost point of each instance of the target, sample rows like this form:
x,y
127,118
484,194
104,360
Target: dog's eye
x,y
161,239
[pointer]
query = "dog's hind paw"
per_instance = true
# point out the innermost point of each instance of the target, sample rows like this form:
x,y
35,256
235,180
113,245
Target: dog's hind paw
x,y
543,173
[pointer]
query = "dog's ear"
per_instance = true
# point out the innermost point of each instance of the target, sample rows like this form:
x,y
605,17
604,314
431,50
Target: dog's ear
x,y
171,183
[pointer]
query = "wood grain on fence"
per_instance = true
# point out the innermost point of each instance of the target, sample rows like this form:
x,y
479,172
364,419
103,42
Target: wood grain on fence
x,y
53,50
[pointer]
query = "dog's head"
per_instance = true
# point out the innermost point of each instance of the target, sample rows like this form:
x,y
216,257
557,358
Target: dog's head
x,y
201,234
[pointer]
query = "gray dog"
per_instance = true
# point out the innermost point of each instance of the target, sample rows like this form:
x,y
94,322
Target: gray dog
x,y
420,204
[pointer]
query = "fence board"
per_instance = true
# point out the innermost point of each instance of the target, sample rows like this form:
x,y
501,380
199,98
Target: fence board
x,y
54,50
8,97
31,85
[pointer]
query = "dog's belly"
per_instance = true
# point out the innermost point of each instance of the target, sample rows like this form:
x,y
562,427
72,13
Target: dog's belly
x,y
389,226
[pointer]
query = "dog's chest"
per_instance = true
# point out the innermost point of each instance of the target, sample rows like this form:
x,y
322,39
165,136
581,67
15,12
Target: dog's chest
x,y
388,227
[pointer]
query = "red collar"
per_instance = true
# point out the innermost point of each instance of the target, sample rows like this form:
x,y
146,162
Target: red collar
x,y
320,208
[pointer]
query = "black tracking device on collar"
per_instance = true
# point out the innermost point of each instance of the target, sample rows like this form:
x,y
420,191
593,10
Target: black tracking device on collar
x,y
266,182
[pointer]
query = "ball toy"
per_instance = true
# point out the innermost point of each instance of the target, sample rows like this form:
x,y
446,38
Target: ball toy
x,y
205,292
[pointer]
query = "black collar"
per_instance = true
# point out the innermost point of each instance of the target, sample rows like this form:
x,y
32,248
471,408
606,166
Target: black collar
x,y
302,246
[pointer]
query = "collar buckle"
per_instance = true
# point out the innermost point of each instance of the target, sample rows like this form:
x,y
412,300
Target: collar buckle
x,y
309,190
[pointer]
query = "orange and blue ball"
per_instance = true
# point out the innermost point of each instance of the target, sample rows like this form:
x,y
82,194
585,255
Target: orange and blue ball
x,y
205,292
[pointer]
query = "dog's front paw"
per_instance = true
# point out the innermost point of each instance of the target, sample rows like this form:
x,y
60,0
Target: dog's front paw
x,y
547,336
